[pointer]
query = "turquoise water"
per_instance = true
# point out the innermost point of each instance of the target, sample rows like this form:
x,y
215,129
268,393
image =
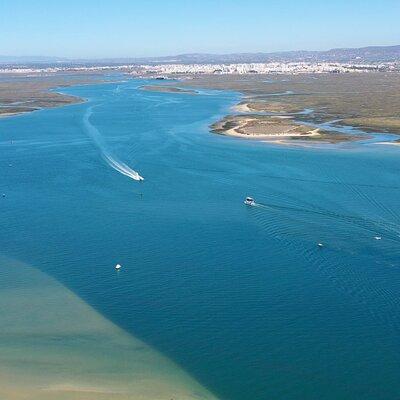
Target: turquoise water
x,y
240,297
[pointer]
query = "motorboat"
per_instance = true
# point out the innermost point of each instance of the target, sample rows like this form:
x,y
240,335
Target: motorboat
x,y
249,201
118,267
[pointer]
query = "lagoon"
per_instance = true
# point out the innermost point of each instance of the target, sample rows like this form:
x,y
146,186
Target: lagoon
x,y
239,302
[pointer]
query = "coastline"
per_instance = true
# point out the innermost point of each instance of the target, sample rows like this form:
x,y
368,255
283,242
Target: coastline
x,y
74,101
345,108
279,129
257,116
256,127
21,95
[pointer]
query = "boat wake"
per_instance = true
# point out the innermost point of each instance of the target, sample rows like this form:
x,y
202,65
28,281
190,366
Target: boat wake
x,y
391,230
113,162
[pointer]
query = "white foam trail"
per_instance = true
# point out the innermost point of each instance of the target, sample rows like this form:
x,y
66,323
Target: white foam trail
x,y
122,168
108,157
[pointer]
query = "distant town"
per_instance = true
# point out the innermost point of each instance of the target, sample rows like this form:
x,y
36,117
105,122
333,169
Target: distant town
x,y
262,68
164,70
345,60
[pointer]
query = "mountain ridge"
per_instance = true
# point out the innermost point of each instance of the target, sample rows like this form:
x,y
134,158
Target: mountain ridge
x,y
360,54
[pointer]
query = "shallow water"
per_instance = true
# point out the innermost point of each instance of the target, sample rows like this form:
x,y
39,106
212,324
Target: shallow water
x,y
240,297
54,346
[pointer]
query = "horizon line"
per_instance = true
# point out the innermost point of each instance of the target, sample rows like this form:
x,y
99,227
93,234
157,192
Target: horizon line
x,y
69,58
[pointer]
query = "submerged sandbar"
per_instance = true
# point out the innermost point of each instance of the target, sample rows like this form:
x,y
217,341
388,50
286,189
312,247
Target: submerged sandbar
x,y
167,89
55,346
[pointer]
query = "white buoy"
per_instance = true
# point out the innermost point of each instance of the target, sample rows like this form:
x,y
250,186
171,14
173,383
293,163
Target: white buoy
x,y
118,267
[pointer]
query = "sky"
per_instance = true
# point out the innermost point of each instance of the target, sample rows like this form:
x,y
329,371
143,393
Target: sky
x,y
123,28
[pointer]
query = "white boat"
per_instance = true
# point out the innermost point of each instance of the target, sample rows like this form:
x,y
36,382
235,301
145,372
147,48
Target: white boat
x,y
249,201
118,267
320,245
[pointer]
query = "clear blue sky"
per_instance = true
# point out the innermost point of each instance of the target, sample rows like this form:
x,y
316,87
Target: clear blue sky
x,y
123,28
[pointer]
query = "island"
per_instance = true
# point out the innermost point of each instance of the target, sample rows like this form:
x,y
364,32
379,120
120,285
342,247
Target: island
x,y
344,107
167,89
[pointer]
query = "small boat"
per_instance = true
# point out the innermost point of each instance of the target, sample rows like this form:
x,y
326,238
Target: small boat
x,y
118,267
320,245
377,237
249,201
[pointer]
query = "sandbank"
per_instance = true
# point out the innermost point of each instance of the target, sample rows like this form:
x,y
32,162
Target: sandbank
x,y
167,89
55,346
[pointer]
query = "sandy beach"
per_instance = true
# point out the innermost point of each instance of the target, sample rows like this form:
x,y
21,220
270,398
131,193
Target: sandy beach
x,y
262,128
242,108
265,106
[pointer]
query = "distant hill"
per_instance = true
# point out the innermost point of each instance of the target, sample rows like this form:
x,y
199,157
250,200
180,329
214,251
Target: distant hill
x,y
30,59
363,54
